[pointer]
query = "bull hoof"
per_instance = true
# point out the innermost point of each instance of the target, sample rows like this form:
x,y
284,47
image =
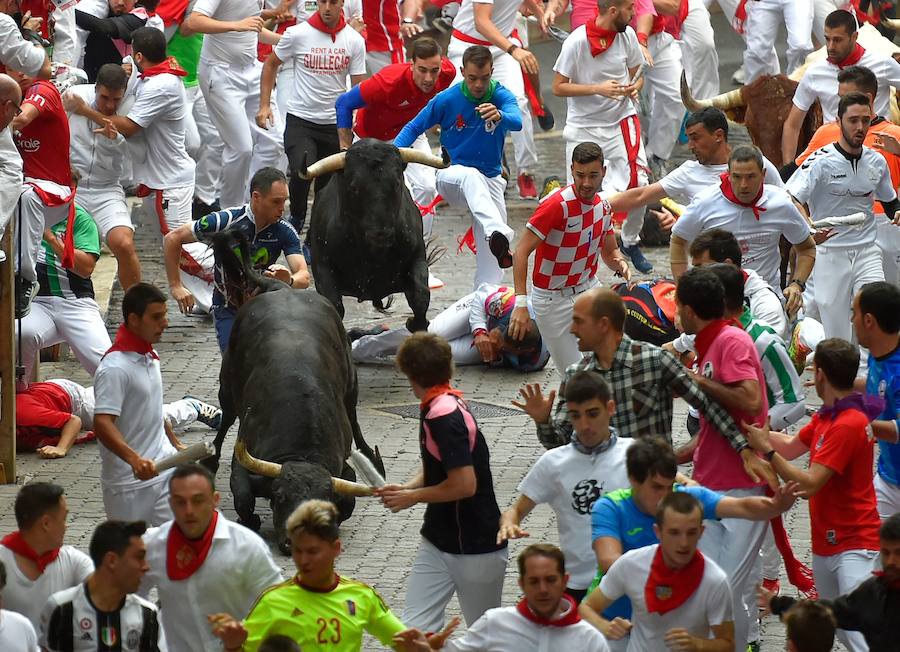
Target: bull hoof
x,y
414,325
253,523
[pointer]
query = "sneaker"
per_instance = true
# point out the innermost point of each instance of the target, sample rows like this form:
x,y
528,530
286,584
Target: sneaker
x,y
25,291
434,283
772,586
550,185
357,333
753,647
739,78
547,120
209,415
499,245
640,263
527,189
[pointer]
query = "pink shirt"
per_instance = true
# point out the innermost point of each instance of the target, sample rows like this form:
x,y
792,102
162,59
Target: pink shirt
x,y
731,359
584,10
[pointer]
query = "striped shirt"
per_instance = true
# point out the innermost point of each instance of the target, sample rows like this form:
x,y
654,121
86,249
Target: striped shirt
x,y
54,279
782,382
643,379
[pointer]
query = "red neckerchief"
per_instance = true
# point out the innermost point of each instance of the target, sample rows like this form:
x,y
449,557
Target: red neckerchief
x,y
569,618
16,542
184,556
433,392
600,40
740,17
316,21
50,199
851,59
895,585
728,191
170,66
668,589
128,341
707,336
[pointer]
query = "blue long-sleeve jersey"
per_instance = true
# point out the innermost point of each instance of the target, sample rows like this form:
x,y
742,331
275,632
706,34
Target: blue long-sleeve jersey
x,y
469,139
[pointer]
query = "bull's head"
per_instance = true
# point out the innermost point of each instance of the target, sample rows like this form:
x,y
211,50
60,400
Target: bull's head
x,y
727,102
337,162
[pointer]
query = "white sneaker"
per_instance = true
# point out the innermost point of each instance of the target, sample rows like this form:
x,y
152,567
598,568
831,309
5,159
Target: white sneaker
x,y
739,77
434,283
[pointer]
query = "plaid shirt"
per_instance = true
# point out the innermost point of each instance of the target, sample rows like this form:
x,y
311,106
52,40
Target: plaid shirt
x,y
643,379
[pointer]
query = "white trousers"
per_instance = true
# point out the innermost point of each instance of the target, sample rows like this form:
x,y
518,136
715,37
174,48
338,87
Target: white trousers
x,y
180,414
54,320
838,575
783,415
375,61
771,558
35,218
477,581
553,316
483,196
663,85
698,51
734,543
888,497
618,170
889,243
204,145
420,179
232,99
764,17
841,273
107,206
147,501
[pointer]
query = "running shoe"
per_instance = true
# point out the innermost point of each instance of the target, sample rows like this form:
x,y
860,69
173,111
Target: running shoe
x,y
739,78
25,291
209,415
551,184
434,283
772,586
640,263
499,245
527,189
547,121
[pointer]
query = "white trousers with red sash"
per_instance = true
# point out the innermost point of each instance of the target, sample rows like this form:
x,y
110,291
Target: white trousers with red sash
x,y
37,216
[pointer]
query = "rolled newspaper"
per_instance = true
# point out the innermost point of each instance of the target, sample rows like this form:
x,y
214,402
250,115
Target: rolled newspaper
x,y
365,470
853,219
193,453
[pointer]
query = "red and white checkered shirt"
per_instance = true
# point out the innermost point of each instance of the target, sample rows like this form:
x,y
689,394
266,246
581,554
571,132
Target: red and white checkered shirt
x,y
572,233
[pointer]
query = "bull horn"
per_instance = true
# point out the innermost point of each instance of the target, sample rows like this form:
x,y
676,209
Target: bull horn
x,y
410,155
891,23
327,165
348,488
725,101
254,465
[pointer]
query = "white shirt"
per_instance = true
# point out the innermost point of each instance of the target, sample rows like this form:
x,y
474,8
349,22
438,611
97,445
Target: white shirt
x,y
236,570
570,482
99,160
758,239
160,109
576,62
128,385
832,184
819,82
229,48
16,52
506,630
28,597
684,182
17,633
82,400
503,15
709,605
303,9
321,67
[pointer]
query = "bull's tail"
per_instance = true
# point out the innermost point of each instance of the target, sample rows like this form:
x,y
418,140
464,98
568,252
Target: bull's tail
x,y
383,306
434,251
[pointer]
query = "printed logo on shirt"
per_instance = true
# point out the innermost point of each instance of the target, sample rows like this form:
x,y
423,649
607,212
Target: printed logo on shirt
x,y
351,607
87,637
585,494
708,369
634,531
663,592
133,639
109,636
490,126
460,122
831,537
85,623
296,612
29,145
882,388
326,60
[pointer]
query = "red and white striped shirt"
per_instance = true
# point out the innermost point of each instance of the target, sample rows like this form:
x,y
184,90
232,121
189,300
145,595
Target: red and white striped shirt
x,y
382,19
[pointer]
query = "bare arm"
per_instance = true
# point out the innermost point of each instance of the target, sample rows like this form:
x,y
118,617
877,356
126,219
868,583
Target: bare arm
x,y
173,438
678,255
66,438
266,84
110,436
790,134
511,518
25,118
197,23
520,320
123,124
613,258
607,550
300,277
758,508
357,79
172,255
460,484
885,431
84,262
485,26
744,395
565,87
636,197
594,605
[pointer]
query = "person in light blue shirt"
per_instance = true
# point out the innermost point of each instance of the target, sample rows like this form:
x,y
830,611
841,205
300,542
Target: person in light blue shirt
x,y
474,115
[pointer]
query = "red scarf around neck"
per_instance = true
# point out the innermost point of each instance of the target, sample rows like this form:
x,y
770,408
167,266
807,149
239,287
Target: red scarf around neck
x,y
16,542
895,586
316,21
569,618
128,341
728,191
668,589
170,66
708,335
851,59
433,392
184,556
599,39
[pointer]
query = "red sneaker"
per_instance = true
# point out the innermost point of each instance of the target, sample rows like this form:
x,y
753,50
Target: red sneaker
x,y
772,586
527,189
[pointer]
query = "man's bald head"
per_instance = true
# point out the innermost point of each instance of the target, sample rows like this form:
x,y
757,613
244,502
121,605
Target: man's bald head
x,y
9,89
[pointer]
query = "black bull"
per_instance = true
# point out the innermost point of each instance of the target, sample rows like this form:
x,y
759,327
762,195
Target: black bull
x,y
288,376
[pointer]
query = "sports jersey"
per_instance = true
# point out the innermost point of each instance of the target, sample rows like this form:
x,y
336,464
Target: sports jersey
x,y
576,62
783,385
843,514
503,15
491,307
332,620
71,623
265,246
322,63
98,160
572,234
54,279
382,19
684,182
230,48
833,182
884,380
42,141
571,481
758,238
819,82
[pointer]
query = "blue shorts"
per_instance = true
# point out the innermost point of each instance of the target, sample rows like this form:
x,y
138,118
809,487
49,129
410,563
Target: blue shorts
x,y
223,317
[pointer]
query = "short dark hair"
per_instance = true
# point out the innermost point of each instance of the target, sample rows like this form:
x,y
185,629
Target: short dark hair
x,y
608,304
587,152
861,77
34,500
853,98
743,153
649,456
278,643
263,179
140,295
703,292
733,282
679,502
711,118
478,55
112,76
721,245
187,470
585,386
150,42
542,550
810,626
841,18
426,359
890,528
424,48
115,537
839,361
882,300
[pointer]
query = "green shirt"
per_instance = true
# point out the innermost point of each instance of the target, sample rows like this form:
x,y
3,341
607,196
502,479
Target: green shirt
x,y
186,50
54,279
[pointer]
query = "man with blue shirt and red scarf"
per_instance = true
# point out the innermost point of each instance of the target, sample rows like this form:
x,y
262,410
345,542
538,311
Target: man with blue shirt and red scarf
x,y
475,116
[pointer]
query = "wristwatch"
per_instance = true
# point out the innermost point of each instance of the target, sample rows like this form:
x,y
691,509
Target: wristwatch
x,y
770,455
408,21
512,48
800,284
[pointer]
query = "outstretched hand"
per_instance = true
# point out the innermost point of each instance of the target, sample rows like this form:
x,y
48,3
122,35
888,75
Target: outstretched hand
x,y
535,405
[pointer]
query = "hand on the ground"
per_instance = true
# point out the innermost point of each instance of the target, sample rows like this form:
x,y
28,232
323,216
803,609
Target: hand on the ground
x,y
486,348
184,299
794,298
51,452
535,405
680,640
231,632
510,531
144,468
396,497
519,323
280,272
617,628
527,60
250,24
488,111
264,118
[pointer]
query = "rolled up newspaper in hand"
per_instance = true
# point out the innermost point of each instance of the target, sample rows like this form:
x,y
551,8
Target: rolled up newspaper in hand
x,y
192,453
365,470
853,219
